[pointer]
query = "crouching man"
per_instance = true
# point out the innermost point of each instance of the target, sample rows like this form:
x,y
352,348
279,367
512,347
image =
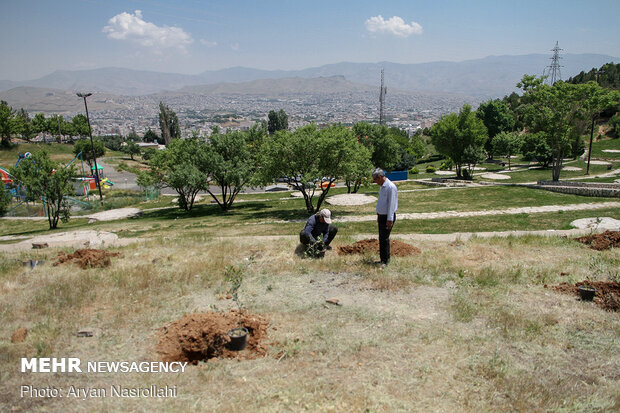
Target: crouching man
x,y
318,227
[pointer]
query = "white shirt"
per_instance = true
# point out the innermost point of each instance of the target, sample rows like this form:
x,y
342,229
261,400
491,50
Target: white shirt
x,y
388,200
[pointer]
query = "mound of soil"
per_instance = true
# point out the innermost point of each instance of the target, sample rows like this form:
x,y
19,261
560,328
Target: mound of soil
x,y
204,336
607,293
19,335
87,258
604,241
397,248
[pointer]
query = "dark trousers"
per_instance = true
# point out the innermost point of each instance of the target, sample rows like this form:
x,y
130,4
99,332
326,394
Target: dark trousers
x,y
384,238
331,233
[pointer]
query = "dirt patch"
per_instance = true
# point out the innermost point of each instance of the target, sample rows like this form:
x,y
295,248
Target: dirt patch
x,y
607,292
87,258
204,336
397,248
19,335
603,241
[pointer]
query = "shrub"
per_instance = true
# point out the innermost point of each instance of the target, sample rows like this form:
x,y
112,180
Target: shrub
x,y
431,169
414,171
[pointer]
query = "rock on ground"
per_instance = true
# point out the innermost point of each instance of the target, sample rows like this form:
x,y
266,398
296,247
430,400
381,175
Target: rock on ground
x,y
602,223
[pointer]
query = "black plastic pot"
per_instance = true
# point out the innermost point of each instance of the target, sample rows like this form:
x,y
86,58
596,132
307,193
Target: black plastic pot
x,y
238,338
587,293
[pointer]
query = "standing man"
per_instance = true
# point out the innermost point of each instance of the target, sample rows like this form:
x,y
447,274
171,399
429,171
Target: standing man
x,y
386,213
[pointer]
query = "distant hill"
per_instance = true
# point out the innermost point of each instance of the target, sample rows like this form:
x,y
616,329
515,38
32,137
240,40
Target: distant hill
x,y
493,76
35,99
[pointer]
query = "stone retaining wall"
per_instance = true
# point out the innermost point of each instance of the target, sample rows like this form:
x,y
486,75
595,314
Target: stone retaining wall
x,y
580,188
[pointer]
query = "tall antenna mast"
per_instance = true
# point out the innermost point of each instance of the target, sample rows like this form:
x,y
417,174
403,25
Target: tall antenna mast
x,y
553,70
381,99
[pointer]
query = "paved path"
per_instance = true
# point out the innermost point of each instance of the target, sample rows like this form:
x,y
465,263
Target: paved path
x,y
461,214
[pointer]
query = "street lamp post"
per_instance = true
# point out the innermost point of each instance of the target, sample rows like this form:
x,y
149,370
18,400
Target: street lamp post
x,y
598,72
92,145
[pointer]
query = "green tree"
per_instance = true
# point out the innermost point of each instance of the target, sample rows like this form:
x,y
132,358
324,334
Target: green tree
x,y
229,164
497,118
277,121
7,123
168,123
553,110
182,166
23,124
306,158
507,144
536,147
151,136
357,168
80,125
593,100
5,199
384,147
84,146
614,125
461,138
48,181
131,148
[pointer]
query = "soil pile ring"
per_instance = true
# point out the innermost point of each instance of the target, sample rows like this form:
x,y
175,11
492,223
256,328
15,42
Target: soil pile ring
x,y
204,336
604,241
607,293
397,248
87,258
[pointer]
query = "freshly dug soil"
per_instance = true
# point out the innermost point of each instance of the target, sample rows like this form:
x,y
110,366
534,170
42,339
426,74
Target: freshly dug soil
x,y
397,248
87,258
204,336
604,241
19,335
607,293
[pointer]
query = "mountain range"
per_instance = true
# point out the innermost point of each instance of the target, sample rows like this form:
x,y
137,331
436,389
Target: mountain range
x,y
490,77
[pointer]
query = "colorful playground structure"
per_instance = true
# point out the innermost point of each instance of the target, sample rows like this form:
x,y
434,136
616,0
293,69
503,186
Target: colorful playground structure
x,y
82,185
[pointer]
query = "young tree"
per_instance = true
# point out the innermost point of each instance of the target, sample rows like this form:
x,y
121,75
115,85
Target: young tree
x,y
131,148
7,123
168,123
229,164
507,144
497,118
594,100
307,157
181,166
48,181
461,138
84,146
277,121
357,168
23,124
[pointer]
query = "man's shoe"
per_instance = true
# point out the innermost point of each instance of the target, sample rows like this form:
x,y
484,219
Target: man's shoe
x,y
328,247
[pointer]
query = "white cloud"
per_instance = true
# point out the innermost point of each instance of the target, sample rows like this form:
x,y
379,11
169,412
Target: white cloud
x,y
394,25
208,43
131,27
235,46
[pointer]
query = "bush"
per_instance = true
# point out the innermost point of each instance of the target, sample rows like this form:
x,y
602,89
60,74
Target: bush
x,y
447,165
414,171
431,169
466,174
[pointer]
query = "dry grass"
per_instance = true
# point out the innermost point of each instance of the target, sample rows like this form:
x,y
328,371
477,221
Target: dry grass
x,y
461,327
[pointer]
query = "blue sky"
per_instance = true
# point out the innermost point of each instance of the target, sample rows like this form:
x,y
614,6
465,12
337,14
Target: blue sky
x,y
191,36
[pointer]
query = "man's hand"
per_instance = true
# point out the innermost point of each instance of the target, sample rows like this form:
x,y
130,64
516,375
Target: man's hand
x,y
389,224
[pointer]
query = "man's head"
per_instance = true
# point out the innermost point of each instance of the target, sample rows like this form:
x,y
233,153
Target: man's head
x,y
325,215
378,176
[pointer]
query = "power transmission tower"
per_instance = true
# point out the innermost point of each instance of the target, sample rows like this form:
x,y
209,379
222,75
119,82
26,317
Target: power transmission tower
x,y
382,94
553,70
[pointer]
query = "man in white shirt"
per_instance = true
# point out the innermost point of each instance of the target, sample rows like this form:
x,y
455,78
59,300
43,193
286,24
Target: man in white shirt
x,y
386,212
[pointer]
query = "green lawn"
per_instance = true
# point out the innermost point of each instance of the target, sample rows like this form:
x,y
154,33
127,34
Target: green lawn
x,y
599,146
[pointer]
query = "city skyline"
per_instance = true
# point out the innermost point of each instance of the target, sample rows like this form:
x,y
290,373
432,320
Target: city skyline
x,y
191,36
